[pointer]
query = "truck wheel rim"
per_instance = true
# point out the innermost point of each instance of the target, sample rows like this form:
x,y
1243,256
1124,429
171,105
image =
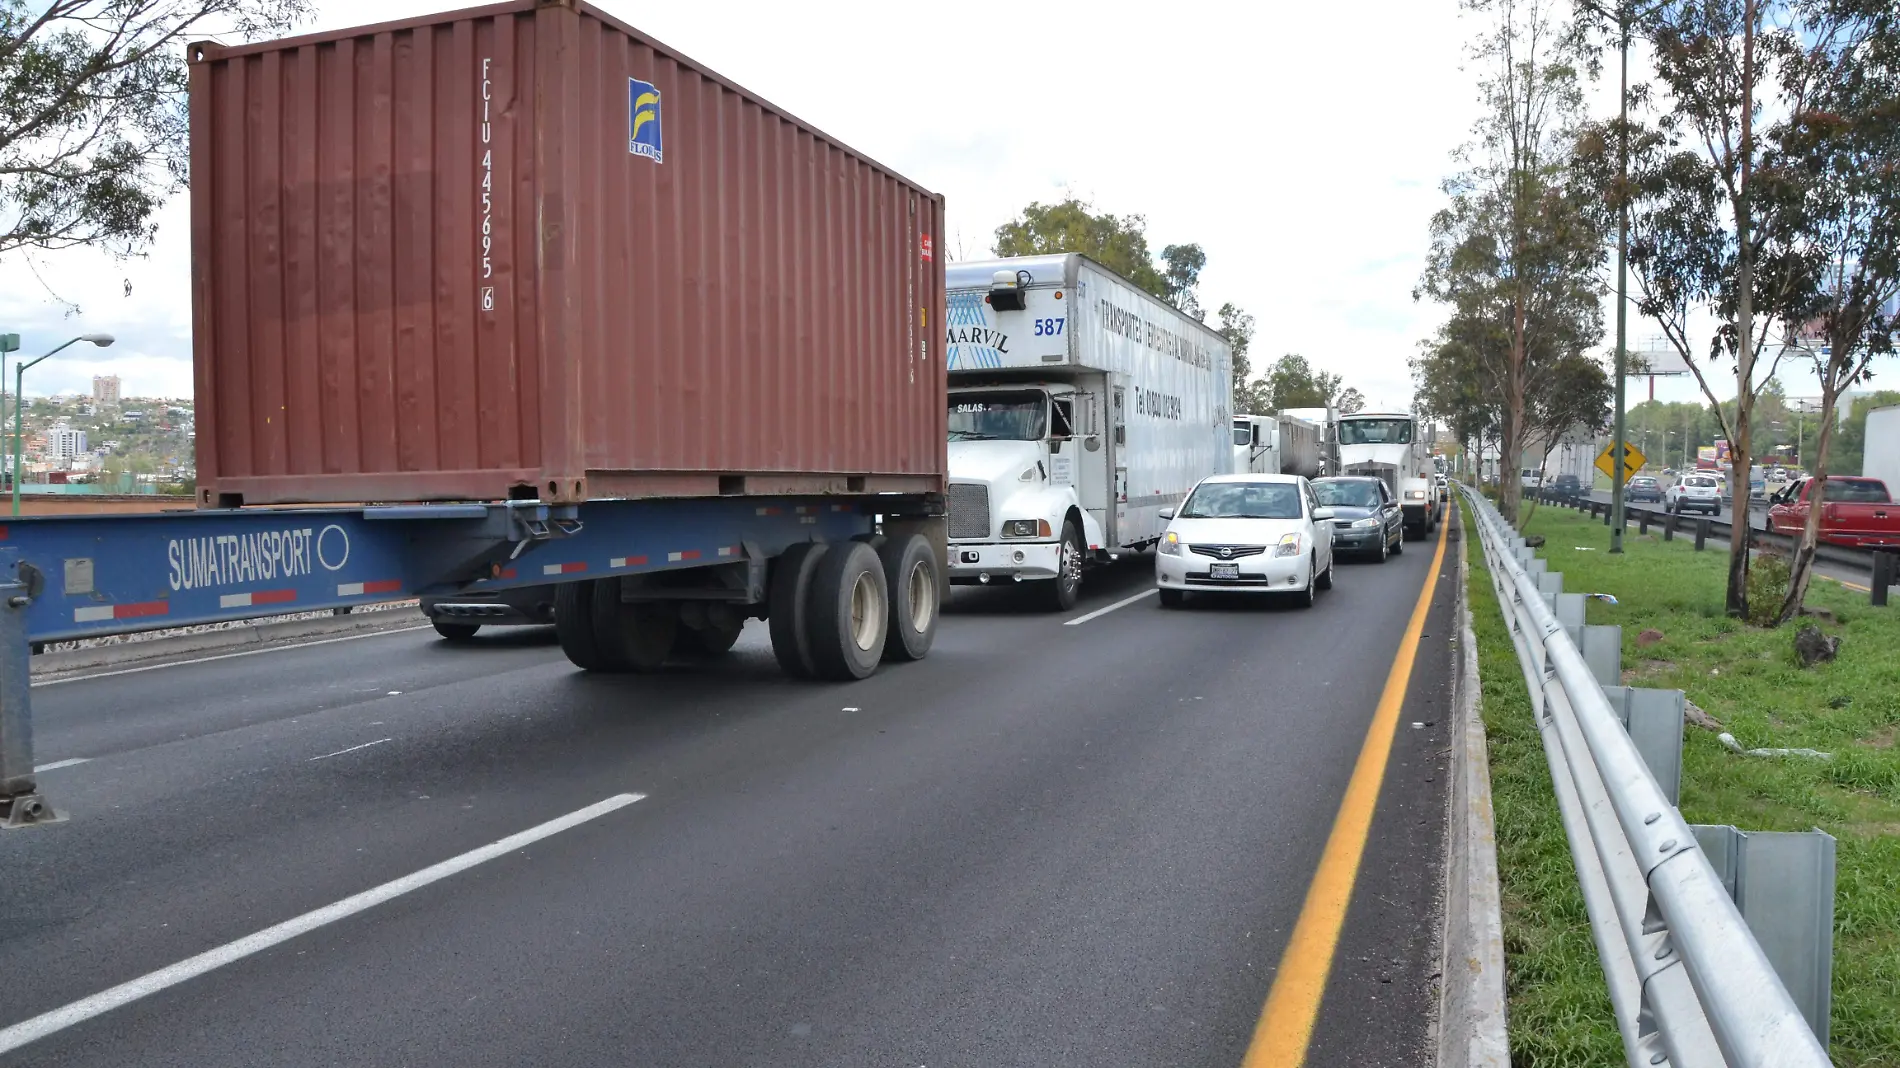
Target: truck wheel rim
x,y
867,613
1071,564
922,595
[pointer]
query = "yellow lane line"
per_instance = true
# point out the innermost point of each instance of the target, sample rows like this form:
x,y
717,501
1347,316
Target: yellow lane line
x,y
1286,1023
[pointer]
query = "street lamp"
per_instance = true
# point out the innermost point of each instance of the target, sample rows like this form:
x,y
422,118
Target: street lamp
x,y
19,378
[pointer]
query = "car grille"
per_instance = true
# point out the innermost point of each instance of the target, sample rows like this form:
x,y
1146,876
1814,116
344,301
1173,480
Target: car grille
x,y
1343,524
1201,578
1228,552
969,510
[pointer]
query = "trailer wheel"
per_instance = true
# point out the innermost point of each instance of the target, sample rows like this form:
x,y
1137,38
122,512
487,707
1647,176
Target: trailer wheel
x,y
714,639
574,623
849,612
635,637
910,574
789,607
455,632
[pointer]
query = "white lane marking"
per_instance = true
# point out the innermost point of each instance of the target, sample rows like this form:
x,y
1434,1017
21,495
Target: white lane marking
x,y
57,764
1123,603
59,1019
351,749
228,656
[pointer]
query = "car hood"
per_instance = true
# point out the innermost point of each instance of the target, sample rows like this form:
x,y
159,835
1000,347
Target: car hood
x,y
1233,531
1348,512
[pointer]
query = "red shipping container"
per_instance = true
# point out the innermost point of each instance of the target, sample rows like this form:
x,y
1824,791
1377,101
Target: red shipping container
x,y
524,251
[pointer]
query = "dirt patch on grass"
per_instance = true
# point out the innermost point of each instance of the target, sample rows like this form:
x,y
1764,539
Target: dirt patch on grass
x,y
1882,738
1647,669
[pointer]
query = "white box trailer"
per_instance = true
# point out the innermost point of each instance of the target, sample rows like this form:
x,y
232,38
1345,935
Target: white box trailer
x,y
1277,444
1080,408
1880,455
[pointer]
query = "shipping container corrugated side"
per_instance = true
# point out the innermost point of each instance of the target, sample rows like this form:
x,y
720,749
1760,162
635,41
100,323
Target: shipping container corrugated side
x,y
524,251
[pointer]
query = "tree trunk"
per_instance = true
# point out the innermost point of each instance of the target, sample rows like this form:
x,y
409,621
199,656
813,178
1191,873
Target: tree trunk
x,y
1510,482
1736,602
1801,568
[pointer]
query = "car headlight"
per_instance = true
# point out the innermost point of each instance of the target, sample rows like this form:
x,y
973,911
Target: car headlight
x,y
1289,546
1368,522
1025,528
1171,543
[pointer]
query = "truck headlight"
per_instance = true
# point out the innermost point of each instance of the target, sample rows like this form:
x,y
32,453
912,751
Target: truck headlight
x,y
1171,544
1289,546
1414,495
1025,528
1367,523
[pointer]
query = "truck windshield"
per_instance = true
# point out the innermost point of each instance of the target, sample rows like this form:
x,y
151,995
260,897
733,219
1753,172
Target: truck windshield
x,y
1243,500
1012,415
1376,432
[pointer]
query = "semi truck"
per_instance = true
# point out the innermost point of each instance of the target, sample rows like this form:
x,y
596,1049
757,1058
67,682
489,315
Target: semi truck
x,y
1389,445
1080,407
516,313
1278,444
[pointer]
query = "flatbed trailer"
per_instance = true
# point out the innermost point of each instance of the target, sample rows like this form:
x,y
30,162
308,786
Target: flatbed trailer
x,y
844,581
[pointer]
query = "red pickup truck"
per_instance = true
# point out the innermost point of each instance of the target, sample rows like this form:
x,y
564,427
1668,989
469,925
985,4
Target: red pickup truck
x,y
1854,512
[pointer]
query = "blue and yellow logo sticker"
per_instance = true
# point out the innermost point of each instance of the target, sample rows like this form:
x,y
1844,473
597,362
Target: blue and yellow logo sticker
x,y
643,120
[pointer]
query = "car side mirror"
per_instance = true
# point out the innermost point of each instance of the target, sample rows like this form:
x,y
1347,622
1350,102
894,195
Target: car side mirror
x,y
1167,513
1320,515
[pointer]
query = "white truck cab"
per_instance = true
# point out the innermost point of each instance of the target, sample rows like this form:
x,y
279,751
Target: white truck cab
x,y
1080,407
1390,446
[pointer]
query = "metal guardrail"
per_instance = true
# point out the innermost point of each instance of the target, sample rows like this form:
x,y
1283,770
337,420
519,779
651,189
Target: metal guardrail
x,y
1689,983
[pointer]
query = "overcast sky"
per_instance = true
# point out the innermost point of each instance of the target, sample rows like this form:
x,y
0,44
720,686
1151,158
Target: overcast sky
x,y
1302,150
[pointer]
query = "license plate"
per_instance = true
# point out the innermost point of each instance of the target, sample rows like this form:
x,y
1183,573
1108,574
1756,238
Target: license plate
x,y
1223,571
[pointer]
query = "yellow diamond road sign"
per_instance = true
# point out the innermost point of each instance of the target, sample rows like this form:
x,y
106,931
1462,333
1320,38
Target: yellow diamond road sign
x,y
1633,461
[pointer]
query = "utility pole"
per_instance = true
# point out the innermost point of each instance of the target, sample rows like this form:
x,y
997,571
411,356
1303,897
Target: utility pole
x,y
1617,441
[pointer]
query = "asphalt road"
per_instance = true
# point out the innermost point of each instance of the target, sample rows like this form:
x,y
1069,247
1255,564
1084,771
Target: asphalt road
x,y
1046,844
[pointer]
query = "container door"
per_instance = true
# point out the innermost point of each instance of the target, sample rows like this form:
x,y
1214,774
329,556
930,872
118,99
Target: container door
x,y
1117,440
1092,480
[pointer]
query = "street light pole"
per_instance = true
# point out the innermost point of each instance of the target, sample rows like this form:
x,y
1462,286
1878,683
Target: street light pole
x,y
19,379
1617,443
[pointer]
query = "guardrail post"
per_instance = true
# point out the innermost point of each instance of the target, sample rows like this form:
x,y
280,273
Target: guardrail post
x,y
1602,650
20,802
1569,613
1653,719
1783,883
1882,578
1551,585
1642,521
1701,533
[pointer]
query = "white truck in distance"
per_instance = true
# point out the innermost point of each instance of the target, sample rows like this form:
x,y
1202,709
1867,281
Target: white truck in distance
x,y
1281,444
1080,408
1388,445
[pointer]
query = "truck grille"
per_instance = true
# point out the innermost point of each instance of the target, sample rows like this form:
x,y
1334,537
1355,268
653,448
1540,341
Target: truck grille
x,y
969,510
1228,552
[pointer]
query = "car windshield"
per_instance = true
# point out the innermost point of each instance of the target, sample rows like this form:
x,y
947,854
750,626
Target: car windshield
x,y
1376,432
1856,491
1006,415
1243,500
1352,494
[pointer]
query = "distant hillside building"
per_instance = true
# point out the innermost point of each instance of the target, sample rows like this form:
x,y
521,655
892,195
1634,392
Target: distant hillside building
x,y
64,442
105,389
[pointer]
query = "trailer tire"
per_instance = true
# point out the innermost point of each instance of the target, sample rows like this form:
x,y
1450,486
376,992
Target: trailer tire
x,y
574,623
790,605
910,574
711,640
635,637
455,632
849,613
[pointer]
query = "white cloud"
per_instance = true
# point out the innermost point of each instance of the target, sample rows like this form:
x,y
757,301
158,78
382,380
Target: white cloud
x,y
1301,151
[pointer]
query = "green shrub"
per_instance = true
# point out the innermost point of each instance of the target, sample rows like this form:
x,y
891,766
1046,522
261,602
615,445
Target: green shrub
x,y
1767,588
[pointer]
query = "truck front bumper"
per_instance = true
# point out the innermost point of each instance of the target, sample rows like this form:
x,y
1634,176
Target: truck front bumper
x,y
974,563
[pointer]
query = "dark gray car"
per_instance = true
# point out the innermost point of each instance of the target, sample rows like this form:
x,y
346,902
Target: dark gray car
x,y
1366,520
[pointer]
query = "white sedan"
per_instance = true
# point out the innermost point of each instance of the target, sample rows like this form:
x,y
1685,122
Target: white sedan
x,y
1246,534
